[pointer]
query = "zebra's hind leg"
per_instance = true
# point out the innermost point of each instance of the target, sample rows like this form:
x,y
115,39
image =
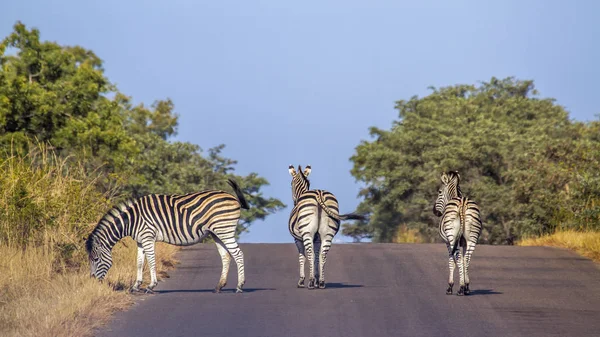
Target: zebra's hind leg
x,y
317,249
325,246
225,260
301,259
140,268
461,271
226,235
308,248
148,247
468,253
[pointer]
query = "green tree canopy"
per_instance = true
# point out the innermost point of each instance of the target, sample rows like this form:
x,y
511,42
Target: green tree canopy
x,y
527,165
60,95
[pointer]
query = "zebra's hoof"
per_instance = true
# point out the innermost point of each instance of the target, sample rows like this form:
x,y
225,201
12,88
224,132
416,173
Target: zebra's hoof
x,y
449,291
301,282
149,291
311,284
238,290
467,290
461,291
217,290
321,284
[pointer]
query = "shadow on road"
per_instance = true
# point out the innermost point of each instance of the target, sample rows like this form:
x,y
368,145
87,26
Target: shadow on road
x,y
343,285
249,290
484,292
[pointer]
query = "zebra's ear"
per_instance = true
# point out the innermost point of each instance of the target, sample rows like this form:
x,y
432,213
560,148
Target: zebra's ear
x,y
307,170
444,178
292,170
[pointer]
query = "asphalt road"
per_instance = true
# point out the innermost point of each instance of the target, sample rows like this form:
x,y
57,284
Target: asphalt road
x,y
373,290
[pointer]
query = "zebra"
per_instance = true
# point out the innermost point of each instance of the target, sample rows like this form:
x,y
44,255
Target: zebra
x,y
460,226
313,222
180,220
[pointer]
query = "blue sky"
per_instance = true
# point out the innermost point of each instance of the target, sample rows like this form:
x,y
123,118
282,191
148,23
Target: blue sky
x,y
285,83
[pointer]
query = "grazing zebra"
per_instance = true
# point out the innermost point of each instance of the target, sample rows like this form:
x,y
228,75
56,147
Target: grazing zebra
x,y
314,221
460,226
180,220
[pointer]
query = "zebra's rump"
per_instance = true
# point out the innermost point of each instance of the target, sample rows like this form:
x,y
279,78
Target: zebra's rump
x,y
461,218
309,204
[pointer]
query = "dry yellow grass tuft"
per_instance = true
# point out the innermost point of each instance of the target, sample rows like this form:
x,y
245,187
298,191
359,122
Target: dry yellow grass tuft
x,y
38,300
584,243
406,235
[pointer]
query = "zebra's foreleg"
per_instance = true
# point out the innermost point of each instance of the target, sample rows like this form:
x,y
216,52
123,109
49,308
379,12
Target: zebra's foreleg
x,y
451,266
140,268
225,260
301,259
148,247
308,248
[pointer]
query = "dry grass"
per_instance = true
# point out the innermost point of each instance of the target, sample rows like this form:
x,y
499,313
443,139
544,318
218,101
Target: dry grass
x,y
36,300
47,206
406,235
584,243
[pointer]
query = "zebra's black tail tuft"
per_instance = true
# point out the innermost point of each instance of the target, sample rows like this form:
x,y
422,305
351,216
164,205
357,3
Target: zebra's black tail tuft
x,y
352,216
239,193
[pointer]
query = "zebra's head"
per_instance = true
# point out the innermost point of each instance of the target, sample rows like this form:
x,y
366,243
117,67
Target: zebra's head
x,y
300,183
100,257
449,189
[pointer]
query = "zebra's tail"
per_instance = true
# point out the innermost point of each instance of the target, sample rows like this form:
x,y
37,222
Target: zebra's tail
x,y
239,193
352,216
462,218
349,216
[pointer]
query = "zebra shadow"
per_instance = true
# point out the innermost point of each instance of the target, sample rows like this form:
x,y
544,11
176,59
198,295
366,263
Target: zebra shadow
x,y
342,285
224,291
475,292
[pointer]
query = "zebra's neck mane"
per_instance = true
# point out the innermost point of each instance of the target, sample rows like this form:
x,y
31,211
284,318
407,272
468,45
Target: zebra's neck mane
x,y
112,227
298,181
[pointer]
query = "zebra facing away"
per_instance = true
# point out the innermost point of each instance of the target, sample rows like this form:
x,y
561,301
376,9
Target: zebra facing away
x,y
180,220
460,227
314,221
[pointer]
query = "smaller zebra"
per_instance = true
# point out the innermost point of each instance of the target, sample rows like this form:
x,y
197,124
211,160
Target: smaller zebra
x,y
313,223
460,226
180,220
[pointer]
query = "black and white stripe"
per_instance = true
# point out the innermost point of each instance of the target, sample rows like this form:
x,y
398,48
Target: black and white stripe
x,y
314,221
460,227
180,220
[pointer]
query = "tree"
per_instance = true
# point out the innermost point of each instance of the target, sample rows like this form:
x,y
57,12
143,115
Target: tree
x,y
516,154
60,96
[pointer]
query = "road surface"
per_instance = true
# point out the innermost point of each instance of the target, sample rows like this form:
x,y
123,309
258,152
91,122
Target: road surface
x,y
372,290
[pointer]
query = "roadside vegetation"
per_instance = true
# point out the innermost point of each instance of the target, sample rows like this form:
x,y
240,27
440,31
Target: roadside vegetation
x,y
586,243
533,171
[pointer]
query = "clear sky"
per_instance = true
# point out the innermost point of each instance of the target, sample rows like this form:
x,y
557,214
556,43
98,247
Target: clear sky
x,y
282,82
